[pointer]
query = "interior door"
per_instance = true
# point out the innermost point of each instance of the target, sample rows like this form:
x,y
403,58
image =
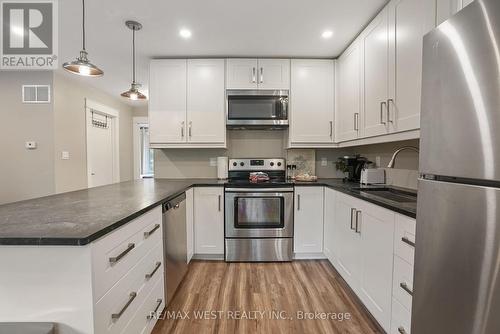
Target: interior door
x,y
376,51
312,101
409,20
167,101
100,144
242,73
348,93
274,73
457,259
206,101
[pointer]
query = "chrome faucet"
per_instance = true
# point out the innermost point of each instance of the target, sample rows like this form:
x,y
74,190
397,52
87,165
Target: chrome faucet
x,y
393,160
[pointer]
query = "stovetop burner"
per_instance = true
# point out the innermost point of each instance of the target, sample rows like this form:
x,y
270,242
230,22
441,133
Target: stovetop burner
x,y
240,170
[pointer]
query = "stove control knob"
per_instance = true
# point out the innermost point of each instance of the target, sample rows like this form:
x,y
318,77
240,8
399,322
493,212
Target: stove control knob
x,y
279,164
272,164
242,164
234,164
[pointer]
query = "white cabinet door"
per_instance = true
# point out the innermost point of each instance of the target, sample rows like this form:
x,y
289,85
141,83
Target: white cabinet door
x,y
375,226
409,21
190,223
274,73
448,8
241,74
308,221
206,101
329,238
167,101
312,101
375,92
348,96
349,255
209,220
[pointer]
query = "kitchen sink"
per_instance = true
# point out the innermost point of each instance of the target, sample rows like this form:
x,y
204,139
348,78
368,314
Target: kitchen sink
x,y
390,194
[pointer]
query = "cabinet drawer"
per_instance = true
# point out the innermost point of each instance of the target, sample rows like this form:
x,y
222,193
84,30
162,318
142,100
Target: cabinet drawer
x,y
401,319
142,321
403,274
115,254
404,238
115,310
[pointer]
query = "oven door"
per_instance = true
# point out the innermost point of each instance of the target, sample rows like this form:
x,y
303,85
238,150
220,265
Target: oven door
x,y
253,108
259,213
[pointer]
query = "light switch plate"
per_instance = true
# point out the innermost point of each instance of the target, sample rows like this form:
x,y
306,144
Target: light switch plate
x,y
213,162
65,155
377,161
324,162
30,145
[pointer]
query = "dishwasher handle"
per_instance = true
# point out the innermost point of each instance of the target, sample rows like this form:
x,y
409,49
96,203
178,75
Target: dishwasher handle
x,y
174,203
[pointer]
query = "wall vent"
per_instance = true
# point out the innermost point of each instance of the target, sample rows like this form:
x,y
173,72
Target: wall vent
x,y
36,93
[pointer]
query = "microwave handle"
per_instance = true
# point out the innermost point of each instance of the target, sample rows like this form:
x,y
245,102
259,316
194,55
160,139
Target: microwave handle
x,y
284,107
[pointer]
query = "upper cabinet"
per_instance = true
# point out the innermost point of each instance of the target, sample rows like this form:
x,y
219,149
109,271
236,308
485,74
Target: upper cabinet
x,y
312,101
187,103
258,73
448,8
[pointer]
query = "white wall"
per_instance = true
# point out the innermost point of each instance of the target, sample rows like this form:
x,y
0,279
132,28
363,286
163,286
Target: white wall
x,y
25,173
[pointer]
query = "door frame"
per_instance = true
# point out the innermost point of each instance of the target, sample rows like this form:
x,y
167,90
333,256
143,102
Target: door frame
x,y
113,114
136,124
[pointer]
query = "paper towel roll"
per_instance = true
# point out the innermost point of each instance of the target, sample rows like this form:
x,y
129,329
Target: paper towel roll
x,y
222,166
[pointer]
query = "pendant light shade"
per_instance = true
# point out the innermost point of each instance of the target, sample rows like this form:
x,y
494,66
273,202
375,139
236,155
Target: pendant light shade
x,y
82,65
133,93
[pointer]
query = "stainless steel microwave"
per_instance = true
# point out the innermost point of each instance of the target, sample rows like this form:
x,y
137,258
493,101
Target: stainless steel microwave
x,y
257,108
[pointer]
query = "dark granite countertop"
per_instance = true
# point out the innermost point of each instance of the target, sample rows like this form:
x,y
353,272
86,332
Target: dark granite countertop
x,y
79,217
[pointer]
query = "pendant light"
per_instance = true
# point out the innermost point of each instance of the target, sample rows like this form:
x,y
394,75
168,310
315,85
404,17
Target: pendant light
x,y
82,65
133,93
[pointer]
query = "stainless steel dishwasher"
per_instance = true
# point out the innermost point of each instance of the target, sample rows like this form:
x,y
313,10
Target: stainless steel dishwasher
x,y
174,244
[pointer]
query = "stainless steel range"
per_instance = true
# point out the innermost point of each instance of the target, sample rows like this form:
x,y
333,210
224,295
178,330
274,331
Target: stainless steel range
x,y
258,215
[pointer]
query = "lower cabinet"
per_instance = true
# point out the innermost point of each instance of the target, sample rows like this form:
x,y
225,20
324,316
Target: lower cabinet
x,y
308,220
209,220
362,246
330,239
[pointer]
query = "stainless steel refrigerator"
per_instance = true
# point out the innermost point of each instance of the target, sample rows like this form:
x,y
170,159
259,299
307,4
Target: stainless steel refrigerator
x,y
457,265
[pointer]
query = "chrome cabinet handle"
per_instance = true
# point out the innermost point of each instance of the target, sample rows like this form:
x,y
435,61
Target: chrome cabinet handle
x,y
331,129
357,222
298,202
219,202
382,113
148,276
353,212
131,298
405,287
182,129
147,234
389,101
356,121
190,126
253,75
122,254
150,316
408,241
402,330
261,75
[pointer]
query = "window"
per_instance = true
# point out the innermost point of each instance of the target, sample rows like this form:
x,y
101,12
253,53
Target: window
x,y
147,156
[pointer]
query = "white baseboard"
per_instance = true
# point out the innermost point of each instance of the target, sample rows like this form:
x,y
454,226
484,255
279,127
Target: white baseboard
x,y
309,256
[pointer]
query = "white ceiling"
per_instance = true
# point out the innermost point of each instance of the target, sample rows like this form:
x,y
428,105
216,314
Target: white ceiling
x,y
265,28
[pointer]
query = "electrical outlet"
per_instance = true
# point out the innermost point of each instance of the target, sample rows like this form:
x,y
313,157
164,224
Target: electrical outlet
x,y
324,162
377,161
30,145
213,162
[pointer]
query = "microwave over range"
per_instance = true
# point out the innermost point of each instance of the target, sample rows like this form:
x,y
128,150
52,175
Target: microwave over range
x,y
257,109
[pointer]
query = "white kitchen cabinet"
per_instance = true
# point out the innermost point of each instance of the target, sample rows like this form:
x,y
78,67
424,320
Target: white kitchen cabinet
x,y
190,223
375,41
349,257
409,21
205,101
448,8
348,111
187,103
209,220
258,73
329,234
167,101
308,220
375,226
312,101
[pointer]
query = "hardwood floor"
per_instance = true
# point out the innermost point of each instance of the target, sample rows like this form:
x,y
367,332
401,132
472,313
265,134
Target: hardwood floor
x,y
258,289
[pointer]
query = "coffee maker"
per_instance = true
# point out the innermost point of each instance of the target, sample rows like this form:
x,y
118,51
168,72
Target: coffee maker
x,y
352,165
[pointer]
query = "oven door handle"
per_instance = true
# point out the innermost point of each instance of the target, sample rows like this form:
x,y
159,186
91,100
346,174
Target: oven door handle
x,y
259,190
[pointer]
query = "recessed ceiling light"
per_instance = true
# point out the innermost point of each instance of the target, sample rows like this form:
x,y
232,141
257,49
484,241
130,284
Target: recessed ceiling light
x,y
185,33
327,34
